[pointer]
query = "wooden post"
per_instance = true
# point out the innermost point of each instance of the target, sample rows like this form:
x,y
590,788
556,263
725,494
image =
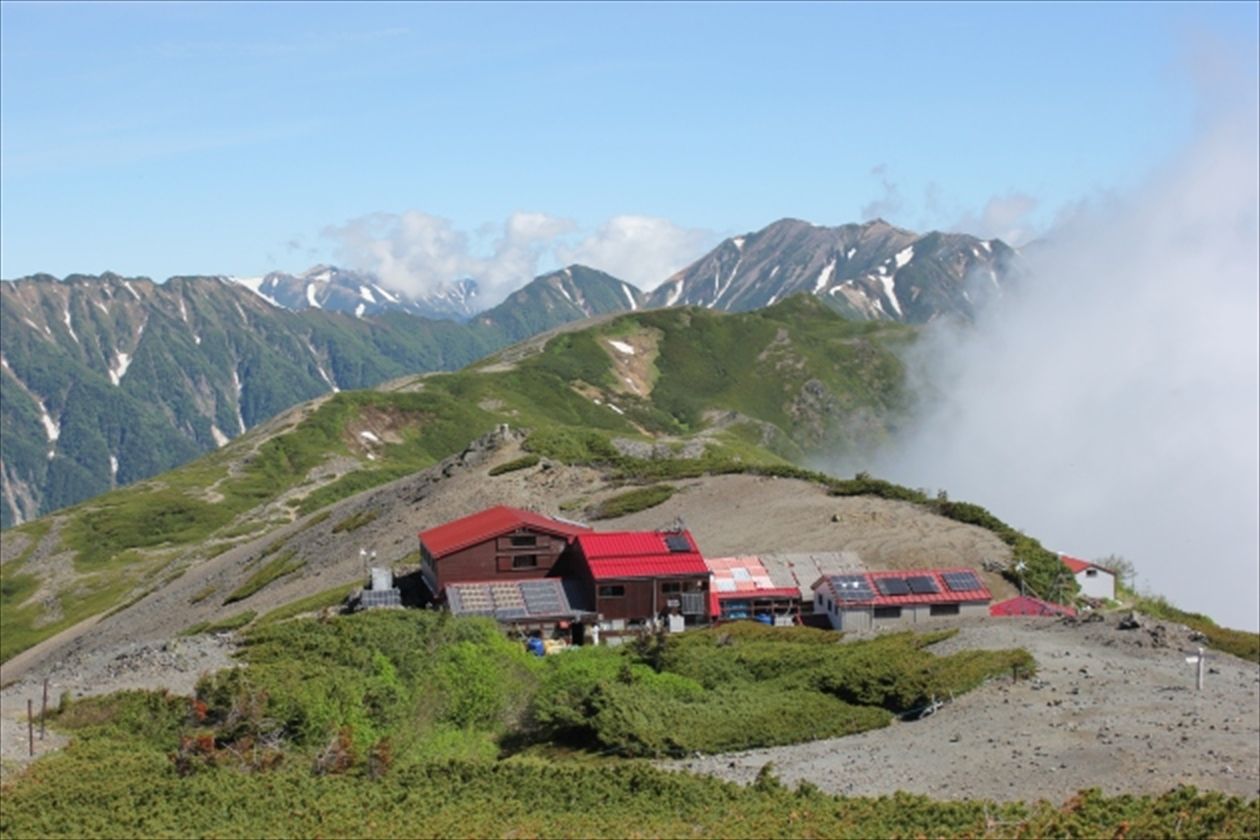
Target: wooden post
x,y
1198,682
30,726
43,712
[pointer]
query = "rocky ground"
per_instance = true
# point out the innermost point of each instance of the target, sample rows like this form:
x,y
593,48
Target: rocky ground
x,y
1109,708
174,665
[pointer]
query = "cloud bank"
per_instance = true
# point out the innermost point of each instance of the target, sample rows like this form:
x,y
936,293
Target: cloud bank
x,y
1111,404
419,253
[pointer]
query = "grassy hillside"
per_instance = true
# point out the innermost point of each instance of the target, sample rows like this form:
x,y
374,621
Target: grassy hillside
x,y
756,388
355,726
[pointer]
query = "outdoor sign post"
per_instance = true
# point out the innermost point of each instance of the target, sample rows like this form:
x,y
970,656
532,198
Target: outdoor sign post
x,y
1197,661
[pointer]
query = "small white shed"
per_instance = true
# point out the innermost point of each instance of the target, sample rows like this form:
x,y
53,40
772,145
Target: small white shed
x,y
1094,580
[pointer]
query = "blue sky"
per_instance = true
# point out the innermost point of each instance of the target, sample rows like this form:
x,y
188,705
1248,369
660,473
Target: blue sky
x,y
159,139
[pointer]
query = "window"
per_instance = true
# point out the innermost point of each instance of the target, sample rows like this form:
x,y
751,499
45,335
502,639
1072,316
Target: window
x,y
527,541
829,607
943,609
671,588
525,561
888,612
1091,573
612,591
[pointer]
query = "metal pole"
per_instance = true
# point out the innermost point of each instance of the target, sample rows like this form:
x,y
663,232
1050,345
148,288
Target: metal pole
x,y
1198,683
43,712
30,726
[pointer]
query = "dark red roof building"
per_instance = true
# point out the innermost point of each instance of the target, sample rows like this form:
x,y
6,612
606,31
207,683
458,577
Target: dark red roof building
x,y
499,542
632,577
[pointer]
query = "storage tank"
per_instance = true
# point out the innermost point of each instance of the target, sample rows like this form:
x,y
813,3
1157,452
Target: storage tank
x,y
382,579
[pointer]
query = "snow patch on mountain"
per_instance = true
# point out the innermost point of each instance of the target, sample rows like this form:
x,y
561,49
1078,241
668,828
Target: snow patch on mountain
x,y
890,292
70,326
51,427
118,369
904,256
310,296
625,290
621,347
824,276
220,439
676,293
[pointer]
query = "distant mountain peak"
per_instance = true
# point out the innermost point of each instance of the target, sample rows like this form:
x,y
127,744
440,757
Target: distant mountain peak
x,y
869,270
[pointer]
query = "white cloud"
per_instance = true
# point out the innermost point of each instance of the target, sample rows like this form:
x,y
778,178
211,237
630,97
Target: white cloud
x,y
888,205
419,253
1005,217
640,249
1112,405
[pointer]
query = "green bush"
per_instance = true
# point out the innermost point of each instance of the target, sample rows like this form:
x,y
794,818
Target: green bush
x,y
355,521
284,564
633,501
522,463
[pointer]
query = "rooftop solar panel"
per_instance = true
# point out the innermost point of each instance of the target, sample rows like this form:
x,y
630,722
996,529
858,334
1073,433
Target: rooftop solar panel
x,y
961,581
892,586
922,585
851,587
677,543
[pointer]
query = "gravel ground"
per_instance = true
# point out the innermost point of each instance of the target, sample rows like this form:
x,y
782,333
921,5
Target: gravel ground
x,y
175,665
1110,708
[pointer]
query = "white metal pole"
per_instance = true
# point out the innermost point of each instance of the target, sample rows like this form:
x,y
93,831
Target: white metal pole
x,y
1199,672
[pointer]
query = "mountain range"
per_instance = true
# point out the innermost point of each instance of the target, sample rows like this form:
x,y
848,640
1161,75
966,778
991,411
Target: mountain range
x,y
108,380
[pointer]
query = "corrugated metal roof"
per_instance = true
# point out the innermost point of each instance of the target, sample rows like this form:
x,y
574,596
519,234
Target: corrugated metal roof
x,y
745,577
490,523
943,595
637,554
1028,605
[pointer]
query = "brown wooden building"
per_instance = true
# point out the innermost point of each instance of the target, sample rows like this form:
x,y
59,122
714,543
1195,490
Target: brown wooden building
x,y
496,544
633,577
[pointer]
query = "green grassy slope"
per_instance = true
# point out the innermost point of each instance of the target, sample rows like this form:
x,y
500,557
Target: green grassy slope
x,y
784,380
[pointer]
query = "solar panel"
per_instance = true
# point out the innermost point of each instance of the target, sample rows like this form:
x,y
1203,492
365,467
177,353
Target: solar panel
x,y
677,543
961,581
922,585
851,588
892,586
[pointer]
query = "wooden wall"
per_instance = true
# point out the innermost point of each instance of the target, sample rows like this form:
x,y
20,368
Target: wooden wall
x,y
495,558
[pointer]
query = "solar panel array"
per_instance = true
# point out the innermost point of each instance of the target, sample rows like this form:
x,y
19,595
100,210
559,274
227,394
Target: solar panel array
x,y
544,597
922,585
892,586
961,581
851,588
380,598
509,601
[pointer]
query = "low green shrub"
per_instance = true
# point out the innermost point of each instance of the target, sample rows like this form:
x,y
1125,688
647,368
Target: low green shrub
x,y
355,521
522,463
284,564
633,501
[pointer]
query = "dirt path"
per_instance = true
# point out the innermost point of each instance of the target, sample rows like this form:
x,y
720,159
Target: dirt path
x,y
1106,710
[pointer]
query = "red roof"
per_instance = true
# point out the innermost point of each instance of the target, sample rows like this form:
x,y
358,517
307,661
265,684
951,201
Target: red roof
x,y
1028,605
943,595
490,523
1078,566
614,555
